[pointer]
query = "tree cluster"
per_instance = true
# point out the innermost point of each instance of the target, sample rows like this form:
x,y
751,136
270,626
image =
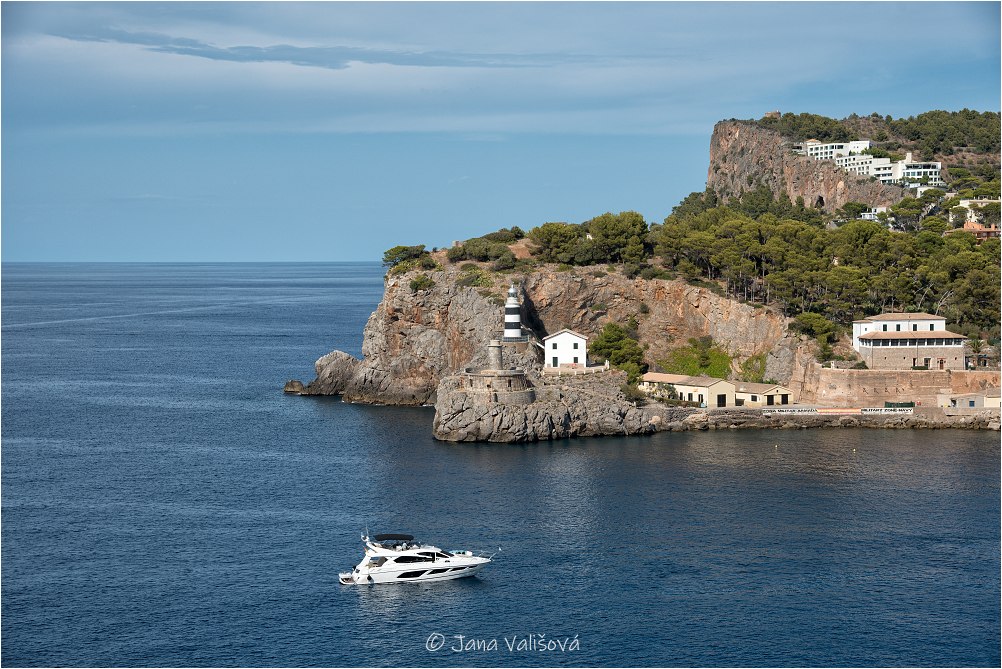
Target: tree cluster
x,y
609,238
801,127
941,131
486,248
400,259
856,270
622,351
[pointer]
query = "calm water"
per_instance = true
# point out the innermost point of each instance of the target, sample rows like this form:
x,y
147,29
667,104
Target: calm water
x,y
163,503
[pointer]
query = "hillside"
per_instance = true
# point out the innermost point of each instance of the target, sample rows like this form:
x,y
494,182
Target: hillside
x,y
966,142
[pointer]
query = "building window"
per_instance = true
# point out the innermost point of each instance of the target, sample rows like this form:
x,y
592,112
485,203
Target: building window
x,y
754,398
914,327
897,328
575,346
554,346
970,403
885,327
575,360
931,327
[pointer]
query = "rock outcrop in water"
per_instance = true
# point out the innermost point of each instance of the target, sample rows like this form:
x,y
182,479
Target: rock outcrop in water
x,y
567,406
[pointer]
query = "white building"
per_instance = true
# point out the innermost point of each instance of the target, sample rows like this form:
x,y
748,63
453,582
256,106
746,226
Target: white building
x,y
972,206
706,390
912,171
907,341
760,394
990,398
817,150
850,157
565,349
896,322
873,213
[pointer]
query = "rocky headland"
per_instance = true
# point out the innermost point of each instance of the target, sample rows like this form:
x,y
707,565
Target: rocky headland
x,y
426,342
419,344
416,338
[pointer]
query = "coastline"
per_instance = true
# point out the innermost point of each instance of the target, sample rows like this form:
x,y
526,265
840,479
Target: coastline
x,y
757,419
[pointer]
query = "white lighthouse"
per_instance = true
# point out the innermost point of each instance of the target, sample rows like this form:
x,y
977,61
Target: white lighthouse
x,y
513,317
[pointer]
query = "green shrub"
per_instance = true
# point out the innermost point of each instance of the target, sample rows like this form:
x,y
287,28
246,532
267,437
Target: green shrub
x,y
421,282
814,325
699,358
753,369
424,262
475,278
632,393
398,254
622,351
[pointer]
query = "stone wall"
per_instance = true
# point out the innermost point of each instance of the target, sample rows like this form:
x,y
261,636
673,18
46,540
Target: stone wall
x,y
743,155
906,357
871,388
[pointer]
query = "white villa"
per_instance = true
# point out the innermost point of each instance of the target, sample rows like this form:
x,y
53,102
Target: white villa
x,y
706,390
565,349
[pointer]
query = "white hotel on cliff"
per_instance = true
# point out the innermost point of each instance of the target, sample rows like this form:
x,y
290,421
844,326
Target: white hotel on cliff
x,y
850,157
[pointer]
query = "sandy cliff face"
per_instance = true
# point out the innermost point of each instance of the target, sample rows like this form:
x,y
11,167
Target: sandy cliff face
x,y
742,156
415,339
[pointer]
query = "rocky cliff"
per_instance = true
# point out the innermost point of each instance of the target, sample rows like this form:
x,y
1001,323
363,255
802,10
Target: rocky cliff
x,y
415,339
743,155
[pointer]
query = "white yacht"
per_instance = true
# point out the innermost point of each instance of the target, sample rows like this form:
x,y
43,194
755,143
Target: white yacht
x,y
398,558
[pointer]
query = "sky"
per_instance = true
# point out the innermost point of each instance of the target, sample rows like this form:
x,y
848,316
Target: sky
x,y
316,131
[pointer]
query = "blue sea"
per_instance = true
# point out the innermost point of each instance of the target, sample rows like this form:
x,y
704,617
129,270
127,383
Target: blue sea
x,y
165,504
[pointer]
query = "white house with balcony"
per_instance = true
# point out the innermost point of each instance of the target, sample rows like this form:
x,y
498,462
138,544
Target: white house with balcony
x,y
565,349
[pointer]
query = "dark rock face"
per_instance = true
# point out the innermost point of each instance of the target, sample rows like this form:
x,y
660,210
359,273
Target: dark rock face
x,y
294,387
569,406
742,156
334,371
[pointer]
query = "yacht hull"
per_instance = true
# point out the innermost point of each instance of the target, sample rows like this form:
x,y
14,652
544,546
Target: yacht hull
x,y
431,573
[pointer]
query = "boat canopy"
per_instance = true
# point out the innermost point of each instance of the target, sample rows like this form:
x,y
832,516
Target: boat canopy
x,y
394,537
